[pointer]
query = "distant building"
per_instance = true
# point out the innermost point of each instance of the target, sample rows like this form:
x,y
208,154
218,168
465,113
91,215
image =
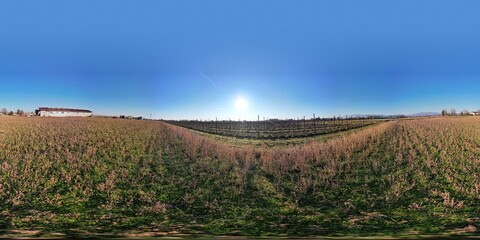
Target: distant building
x,y
62,112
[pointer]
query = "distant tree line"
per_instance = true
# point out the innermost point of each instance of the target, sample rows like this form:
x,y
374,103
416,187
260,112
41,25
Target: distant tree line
x,y
19,112
453,112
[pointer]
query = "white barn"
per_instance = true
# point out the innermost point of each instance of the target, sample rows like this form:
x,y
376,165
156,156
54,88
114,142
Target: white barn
x,y
62,112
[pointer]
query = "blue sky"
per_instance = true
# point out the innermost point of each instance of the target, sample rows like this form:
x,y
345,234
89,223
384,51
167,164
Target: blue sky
x,y
192,59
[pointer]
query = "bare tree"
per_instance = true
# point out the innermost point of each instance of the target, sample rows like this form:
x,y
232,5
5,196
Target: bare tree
x,y
453,112
19,112
464,112
4,111
444,112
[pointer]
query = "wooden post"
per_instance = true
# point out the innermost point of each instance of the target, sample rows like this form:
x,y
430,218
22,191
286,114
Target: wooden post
x,y
258,125
264,124
304,125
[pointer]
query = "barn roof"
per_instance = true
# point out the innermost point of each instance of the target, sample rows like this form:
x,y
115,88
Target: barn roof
x,y
47,109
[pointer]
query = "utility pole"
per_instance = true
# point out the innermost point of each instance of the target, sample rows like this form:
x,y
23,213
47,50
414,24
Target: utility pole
x,y
314,125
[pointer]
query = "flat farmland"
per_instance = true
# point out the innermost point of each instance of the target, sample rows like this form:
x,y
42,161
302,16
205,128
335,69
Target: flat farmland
x,y
91,176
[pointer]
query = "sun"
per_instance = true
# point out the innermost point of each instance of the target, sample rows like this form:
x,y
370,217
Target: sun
x,y
241,104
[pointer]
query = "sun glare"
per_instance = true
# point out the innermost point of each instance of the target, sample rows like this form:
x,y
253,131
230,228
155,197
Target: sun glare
x,y
241,104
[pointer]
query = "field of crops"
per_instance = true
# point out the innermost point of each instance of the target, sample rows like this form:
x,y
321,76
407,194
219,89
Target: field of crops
x,y
83,177
275,129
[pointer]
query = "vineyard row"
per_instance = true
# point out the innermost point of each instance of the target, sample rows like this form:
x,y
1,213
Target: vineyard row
x,y
274,129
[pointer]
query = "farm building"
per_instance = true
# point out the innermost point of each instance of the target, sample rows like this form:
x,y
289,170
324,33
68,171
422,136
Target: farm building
x,y
62,112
